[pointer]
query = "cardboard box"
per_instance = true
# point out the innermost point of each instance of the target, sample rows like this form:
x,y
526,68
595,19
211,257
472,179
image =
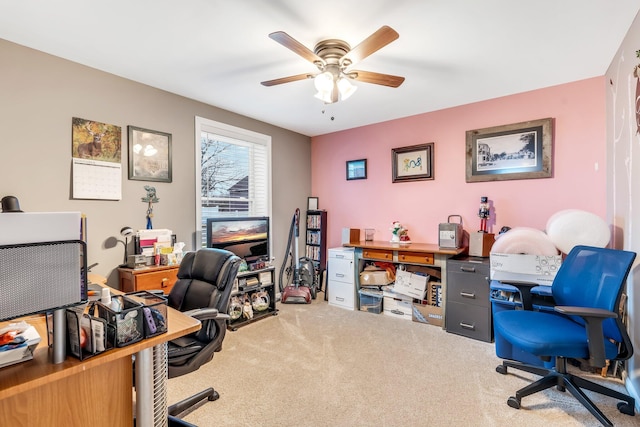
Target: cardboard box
x,y
434,294
374,277
429,314
480,244
350,235
539,269
411,284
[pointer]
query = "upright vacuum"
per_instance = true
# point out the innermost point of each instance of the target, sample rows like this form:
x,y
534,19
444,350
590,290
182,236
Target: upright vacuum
x,y
302,288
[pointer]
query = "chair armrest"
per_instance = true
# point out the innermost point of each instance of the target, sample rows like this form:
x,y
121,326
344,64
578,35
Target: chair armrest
x,y
525,293
206,314
593,318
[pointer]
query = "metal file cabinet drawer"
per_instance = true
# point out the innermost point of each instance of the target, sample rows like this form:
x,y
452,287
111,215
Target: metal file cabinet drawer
x,y
469,320
468,290
468,283
340,270
341,294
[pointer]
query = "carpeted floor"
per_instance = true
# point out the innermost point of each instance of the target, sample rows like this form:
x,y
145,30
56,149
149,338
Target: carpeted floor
x,y
318,365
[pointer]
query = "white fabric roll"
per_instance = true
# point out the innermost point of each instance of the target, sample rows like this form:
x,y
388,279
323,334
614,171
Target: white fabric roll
x,y
524,240
572,227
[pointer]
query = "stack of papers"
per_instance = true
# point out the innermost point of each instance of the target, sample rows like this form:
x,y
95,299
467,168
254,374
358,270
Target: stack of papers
x,y
154,238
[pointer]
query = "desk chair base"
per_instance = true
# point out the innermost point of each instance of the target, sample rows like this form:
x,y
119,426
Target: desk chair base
x,y
177,408
562,380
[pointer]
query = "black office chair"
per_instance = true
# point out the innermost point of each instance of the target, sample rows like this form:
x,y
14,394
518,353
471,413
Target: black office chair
x,y
586,325
203,290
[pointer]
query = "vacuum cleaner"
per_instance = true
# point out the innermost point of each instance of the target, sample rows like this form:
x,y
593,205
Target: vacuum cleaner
x,y
302,288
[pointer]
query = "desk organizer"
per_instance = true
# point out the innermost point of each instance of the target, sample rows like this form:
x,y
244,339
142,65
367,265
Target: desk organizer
x,y
154,311
127,323
88,335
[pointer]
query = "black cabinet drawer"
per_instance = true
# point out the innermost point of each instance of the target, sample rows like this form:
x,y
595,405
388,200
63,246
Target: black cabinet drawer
x,y
469,320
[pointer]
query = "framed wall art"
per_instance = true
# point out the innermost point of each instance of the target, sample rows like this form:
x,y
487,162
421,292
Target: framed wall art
x,y
518,151
356,169
413,163
149,155
312,203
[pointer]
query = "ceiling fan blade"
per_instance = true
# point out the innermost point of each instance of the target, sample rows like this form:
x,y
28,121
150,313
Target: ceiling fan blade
x,y
376,78
290,43
287,79
374,42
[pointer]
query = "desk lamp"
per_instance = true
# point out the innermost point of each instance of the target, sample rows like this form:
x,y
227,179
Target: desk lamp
x,y
126,232
10,204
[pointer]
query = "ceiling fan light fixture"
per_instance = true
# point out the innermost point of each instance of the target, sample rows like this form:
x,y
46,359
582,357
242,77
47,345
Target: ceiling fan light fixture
x,y
345,88
324,82
324,96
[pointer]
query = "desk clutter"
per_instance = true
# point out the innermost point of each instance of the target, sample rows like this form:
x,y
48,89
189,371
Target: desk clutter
x,y
115,321
17,343
411,292
155,247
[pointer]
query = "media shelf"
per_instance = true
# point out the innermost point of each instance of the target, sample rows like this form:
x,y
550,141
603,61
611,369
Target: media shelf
x,y
316,239
258,288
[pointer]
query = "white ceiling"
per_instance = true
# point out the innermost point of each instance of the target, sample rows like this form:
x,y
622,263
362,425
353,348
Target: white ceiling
x,y
452,52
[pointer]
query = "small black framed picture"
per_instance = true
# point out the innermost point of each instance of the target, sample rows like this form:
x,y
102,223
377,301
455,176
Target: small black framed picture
x,y
356,169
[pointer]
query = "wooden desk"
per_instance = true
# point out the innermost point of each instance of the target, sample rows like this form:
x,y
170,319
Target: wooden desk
x,y
426,254
95,392
161,277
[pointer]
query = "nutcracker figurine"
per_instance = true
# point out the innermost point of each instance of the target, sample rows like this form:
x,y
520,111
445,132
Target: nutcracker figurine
x,y
483,213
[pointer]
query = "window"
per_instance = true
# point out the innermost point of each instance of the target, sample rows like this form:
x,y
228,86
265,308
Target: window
x,y
234,167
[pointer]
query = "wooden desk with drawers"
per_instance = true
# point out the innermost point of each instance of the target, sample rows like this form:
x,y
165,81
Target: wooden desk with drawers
x,y
420,254
161,277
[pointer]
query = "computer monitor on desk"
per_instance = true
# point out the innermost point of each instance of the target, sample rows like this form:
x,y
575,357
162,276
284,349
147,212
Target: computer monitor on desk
x,y
42,269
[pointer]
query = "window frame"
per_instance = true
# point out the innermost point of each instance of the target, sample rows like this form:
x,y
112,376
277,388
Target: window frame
x,y
228,131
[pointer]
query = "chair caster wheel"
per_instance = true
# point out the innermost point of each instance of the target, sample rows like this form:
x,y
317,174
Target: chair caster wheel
x,y
214,396
501,369
514,402
625,408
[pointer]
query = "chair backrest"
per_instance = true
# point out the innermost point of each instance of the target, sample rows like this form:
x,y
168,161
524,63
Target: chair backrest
x,y
595,277
205,280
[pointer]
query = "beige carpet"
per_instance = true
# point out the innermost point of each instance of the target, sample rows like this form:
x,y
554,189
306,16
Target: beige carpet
x,y
317,365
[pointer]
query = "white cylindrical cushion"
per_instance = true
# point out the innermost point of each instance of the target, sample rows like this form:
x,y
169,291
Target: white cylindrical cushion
x,y
524,240
572,227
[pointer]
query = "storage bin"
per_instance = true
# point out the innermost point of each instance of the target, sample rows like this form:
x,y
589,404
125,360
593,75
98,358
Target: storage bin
x,y
128,322
154,311
370,301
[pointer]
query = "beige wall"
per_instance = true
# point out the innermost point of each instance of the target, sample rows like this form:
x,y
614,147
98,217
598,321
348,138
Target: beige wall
x,y
623,190
39,95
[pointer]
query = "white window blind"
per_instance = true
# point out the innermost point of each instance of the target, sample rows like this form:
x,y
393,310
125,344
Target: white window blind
x,y
234,170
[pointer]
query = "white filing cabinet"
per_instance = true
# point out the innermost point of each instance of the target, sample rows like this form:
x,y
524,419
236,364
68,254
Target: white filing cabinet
x,y
340,280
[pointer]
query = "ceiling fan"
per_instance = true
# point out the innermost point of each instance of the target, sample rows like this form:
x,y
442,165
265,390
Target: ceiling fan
x,y
333,57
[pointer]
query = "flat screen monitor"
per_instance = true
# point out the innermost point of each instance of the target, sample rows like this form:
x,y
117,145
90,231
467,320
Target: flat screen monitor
x,y
247,237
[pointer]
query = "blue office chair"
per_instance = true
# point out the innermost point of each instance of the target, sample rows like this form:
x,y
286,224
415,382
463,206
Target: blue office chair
x,y
586,325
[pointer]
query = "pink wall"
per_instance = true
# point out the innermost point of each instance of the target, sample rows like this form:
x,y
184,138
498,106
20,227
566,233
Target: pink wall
x,y
579,166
